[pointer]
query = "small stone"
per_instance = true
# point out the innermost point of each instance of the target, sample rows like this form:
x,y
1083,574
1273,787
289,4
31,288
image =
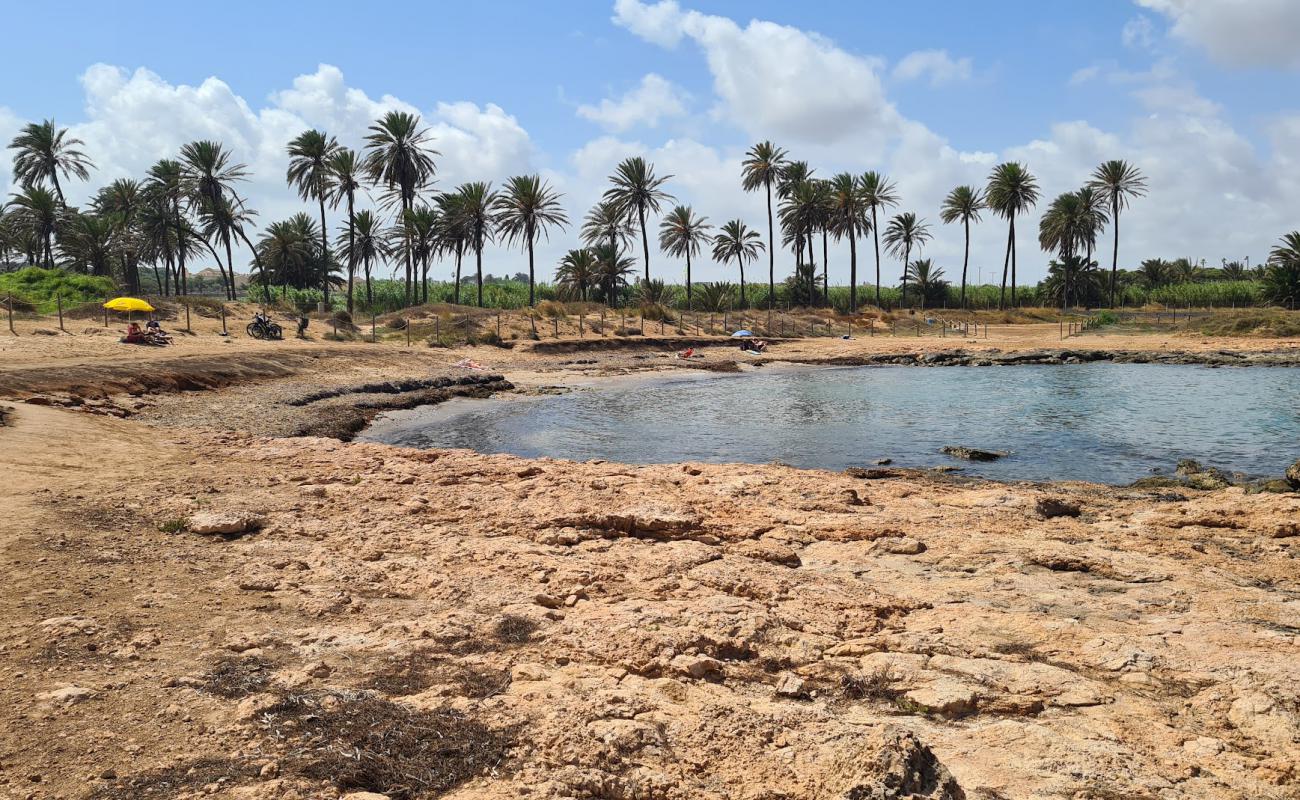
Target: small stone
x,y
901,546
790,686
546,600
218,522
66,695
696,666
1051,507
318,669
1293,475
269,770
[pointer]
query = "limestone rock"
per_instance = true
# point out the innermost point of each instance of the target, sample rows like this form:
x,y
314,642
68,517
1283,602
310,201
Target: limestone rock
x,y
224,522
1052,507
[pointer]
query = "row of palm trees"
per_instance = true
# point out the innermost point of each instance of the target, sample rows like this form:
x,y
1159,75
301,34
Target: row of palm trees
x,y
189,206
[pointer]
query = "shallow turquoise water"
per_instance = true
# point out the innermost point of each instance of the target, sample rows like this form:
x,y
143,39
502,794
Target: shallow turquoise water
x,y
1111,423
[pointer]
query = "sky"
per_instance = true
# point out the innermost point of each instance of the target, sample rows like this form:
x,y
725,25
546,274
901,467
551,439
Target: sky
x,y
1202,95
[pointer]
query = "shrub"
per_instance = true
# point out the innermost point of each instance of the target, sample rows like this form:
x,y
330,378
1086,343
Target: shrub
x,y
39,288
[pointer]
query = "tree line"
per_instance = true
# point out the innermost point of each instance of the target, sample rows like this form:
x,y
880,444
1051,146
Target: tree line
x,y
189,207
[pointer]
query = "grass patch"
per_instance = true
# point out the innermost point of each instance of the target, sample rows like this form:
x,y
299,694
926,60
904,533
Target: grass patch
x,y
514,629
361,742
38,288
415,672
1256,322
875,685
175,525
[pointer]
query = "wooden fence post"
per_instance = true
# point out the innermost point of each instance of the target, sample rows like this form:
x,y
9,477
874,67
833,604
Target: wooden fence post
x,y
408,332
582,319
58,298
225,332
9,304
373,336
105,310
557,327
187,317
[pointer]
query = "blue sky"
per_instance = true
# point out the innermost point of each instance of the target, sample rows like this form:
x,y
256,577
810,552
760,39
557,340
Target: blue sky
x,y
932,92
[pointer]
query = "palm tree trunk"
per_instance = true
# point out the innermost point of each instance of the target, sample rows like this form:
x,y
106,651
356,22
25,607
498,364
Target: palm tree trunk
x,y
853,273
230,263
478,264
826,273
1114,258
965,261
771,252
875,238
907,254
182,281
158,279
1006,262
460,249
324,251
645,243
688,274
58,190
406,246
532,301
352,252
1013,260
743,302
257,259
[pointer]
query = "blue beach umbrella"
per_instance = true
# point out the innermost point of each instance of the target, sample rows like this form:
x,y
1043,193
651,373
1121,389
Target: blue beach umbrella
x,y
741,334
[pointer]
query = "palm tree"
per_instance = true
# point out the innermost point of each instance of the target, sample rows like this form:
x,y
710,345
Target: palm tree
x,y
680,235
1282,277
420,227
963,205
398,156
1120,181
364,244
1092,205
345,170
122,202
607,224
207,171
928,280
903,234
452,234
86,240
287,249
878,193
476,203
612,271
577,272
1012,191
167,182
760,169
737,241
309,173
848,219
44,152
822,220
637,189
222,220
37,211
1154,273
1064,228
801,213
525,208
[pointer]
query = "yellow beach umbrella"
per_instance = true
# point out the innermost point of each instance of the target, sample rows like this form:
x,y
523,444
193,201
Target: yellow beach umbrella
x,y
128,304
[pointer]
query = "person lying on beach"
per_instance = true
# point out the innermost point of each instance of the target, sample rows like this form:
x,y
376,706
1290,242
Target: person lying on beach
x,y
753,345
687,353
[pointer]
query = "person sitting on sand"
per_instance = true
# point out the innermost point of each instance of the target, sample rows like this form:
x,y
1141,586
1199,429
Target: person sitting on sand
x,y
753,345
687,353
133,333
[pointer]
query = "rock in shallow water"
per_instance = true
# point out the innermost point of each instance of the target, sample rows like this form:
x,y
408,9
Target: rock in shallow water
x,y
972,453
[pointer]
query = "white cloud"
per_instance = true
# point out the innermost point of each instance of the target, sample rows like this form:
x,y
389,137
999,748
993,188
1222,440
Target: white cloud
x,y
935,65
654,99
658,23
1138,33
1249,33
1084,75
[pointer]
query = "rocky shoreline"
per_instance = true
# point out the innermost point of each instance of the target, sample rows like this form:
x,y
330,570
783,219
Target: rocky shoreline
x,y
997,358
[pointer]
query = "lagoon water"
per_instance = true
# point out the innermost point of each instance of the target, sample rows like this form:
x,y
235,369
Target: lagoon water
x,y
1111,423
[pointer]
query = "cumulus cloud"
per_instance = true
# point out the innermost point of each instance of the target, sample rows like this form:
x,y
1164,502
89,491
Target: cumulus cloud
x,y
1138,33
654,99
1249,33
936,66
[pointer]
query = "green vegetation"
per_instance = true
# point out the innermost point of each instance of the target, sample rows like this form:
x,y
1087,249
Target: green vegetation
x,y
37,288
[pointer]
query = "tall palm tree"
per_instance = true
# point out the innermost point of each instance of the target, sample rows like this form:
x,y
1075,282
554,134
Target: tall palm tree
x,y
452,233
1094,208
309,173
345,170
822,221
904,234
801,213
760,169
1064,228
122,202
1120,181
399,156
1281,282
1012,191
364,244
737,241
637,189
963,205
43,152
222,221
207,170
37,211
420,227
476,203
878,193
577,272
680,235
525,208
607,224
167,182
847,220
